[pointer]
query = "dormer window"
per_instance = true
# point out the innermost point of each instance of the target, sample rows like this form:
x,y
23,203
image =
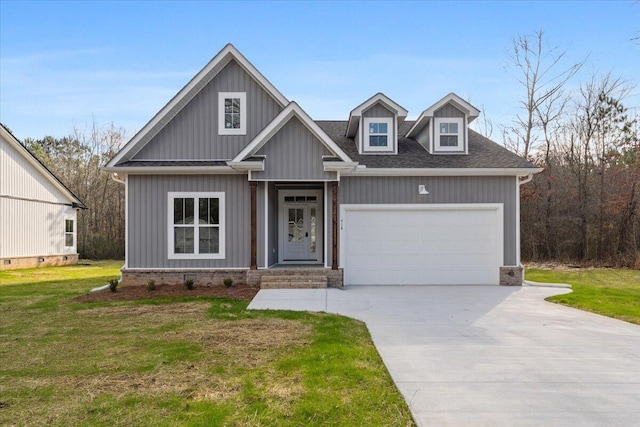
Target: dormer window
x,y
377,134
448,134
232,113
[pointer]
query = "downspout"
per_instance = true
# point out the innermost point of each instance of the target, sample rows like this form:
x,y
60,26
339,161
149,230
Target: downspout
x,y
520,183
118,180
113,177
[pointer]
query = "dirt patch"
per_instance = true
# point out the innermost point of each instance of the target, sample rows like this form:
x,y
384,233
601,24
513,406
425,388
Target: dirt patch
x,y
125,293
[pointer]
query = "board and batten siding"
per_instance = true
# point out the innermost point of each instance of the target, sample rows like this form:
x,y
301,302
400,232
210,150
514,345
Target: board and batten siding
x,y
19,178
32,210
445,189
448,110
294,154
193,133
30,228
149,225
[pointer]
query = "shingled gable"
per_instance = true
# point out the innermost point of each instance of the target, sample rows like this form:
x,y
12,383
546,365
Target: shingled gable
x,y
245,161
186,94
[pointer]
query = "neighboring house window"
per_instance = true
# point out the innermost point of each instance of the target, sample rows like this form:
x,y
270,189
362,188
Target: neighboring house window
x,y
378,134
232,113
196,225
68,233
449,134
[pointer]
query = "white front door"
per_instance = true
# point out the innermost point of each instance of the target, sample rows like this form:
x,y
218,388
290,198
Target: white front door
x,y
300,226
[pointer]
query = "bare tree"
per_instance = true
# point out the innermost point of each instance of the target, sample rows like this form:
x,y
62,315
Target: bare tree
x,y
539,74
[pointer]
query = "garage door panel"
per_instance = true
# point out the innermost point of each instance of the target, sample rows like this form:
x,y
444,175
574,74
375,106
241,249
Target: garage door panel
x,y
431,246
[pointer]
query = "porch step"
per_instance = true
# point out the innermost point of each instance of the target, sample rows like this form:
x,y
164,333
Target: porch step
x,y
294,281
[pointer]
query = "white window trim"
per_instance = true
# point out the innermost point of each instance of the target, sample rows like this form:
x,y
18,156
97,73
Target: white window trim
x,y
365,134
75,234
461,134
222,218
243,113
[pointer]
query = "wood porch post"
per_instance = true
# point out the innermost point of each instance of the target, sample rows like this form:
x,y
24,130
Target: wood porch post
x,y
334,226
254,225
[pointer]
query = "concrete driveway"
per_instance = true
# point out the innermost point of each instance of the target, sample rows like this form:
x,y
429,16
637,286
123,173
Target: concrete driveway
x,y
491,356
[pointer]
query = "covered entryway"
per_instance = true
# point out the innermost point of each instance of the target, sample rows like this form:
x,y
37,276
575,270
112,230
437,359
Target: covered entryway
x,y
437,244
301,226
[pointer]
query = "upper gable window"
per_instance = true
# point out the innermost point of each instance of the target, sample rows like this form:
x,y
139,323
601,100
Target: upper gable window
x,y
232,113
378,134
449,135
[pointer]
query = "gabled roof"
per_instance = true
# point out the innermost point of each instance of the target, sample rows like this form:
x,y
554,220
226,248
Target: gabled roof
x,y
40,167
453,99
187,93
292,110
378,98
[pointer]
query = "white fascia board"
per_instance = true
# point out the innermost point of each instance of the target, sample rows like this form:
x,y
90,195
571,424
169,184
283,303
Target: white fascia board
x,y
26,154
188,92
293,109
417,126
443,172
379,97
174,170
257,165
330,166
458,102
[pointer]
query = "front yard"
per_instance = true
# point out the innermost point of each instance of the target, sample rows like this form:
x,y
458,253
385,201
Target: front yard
x,y
610,292
186,361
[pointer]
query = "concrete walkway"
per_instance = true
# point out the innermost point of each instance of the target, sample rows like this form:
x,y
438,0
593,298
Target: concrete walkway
x,y
491,356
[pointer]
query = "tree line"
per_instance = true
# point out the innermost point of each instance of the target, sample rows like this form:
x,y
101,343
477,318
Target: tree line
x,y
585,206
77,160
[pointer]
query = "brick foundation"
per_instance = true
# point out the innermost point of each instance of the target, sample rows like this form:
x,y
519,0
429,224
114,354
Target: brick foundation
x,y
37,261
177,277
511,276
216,277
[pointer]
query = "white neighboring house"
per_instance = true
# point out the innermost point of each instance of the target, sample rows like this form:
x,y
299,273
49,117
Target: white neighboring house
x,y
38,213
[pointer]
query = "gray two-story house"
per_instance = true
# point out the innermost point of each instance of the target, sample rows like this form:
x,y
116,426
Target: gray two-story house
x,y
231,179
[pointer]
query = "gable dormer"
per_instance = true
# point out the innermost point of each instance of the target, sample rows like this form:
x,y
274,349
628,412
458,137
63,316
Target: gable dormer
x,y
374,125
443,128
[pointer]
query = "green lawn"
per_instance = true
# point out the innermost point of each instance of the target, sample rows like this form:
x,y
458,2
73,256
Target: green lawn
x,y
610,292
200,362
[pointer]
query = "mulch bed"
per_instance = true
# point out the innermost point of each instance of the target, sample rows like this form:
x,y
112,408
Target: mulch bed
x,y
125,293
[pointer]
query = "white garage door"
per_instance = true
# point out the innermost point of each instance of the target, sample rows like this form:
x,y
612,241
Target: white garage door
x,y
421,244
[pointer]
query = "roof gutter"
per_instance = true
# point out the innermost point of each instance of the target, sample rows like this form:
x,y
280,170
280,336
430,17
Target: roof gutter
x,y
363,171
527,179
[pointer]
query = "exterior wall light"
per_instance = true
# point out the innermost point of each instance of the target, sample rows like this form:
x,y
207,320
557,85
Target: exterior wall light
x,y
422,189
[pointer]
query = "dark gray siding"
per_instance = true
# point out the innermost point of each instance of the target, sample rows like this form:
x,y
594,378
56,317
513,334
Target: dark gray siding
x,y
193,133
448,110
329,220
148,221
390,190
294,153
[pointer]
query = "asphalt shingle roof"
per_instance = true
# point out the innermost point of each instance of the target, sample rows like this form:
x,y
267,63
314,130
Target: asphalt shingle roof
x,y
483,153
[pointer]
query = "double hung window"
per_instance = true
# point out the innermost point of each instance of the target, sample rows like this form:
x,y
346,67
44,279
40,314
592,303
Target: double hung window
x,y
377,134
196,225
449,134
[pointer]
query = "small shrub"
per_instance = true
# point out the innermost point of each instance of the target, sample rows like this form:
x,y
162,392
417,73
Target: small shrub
x,y
228,282
151,285
113,285
189,284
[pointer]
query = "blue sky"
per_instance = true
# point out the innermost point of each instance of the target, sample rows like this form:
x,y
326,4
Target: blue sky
x,y
65,64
